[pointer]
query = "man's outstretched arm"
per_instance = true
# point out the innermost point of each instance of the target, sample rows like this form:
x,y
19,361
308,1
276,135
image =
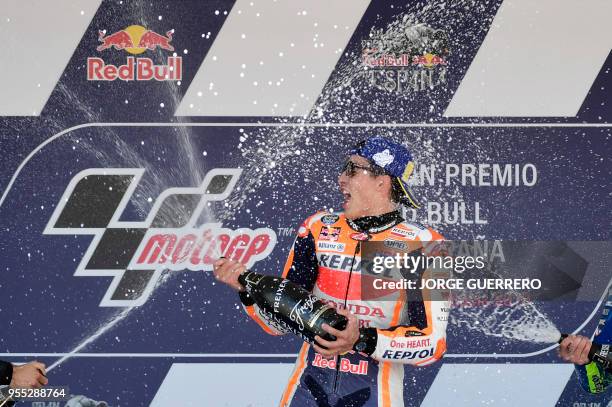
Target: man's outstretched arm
x,y
301,268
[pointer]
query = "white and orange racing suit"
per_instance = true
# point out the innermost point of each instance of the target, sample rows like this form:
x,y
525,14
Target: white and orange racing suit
x,y
395,331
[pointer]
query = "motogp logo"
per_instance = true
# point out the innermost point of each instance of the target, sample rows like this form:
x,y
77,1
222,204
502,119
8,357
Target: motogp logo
x,y
136,253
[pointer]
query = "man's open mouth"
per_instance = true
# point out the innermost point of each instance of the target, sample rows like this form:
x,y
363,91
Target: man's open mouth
x,y
347,196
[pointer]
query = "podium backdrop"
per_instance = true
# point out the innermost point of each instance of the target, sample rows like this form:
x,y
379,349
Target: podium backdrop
x,y
125,120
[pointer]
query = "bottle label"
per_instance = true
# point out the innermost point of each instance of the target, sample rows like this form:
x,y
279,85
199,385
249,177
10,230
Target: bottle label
x,y
317,315
302,307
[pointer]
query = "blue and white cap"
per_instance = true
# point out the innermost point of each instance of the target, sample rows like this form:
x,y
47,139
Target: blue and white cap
x,y
394,159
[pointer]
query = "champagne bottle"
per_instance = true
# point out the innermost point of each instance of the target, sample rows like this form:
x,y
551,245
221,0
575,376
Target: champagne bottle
x,y
292,307
598,353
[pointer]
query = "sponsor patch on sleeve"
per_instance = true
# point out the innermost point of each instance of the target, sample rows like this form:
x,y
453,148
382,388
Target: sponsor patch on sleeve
x,y
408,354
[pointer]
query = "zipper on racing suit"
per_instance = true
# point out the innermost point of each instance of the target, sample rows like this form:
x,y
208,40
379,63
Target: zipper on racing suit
x,y
392,219
337,373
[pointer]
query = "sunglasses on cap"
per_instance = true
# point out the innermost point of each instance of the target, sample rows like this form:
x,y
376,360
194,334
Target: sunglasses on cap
x,y
350,168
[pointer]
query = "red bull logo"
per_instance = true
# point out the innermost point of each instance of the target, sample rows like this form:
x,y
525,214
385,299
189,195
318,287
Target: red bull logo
x,y
135,40
372,60
345,365
412,59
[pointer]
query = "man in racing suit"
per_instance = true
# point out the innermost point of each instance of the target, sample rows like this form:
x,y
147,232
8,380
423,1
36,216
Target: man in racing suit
x,y
365,365
575,348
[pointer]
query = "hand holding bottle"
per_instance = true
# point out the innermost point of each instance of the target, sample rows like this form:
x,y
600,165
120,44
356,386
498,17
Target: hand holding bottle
x,y
227,271
345,339
575,349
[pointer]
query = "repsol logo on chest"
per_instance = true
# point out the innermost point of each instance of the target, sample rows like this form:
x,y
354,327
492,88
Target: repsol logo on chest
x,y
344,262
407,355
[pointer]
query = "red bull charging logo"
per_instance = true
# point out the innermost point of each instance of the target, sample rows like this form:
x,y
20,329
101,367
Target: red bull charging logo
x,y
135,40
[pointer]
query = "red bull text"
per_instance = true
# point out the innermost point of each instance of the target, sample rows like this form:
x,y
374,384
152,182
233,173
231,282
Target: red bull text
x,y
135,69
